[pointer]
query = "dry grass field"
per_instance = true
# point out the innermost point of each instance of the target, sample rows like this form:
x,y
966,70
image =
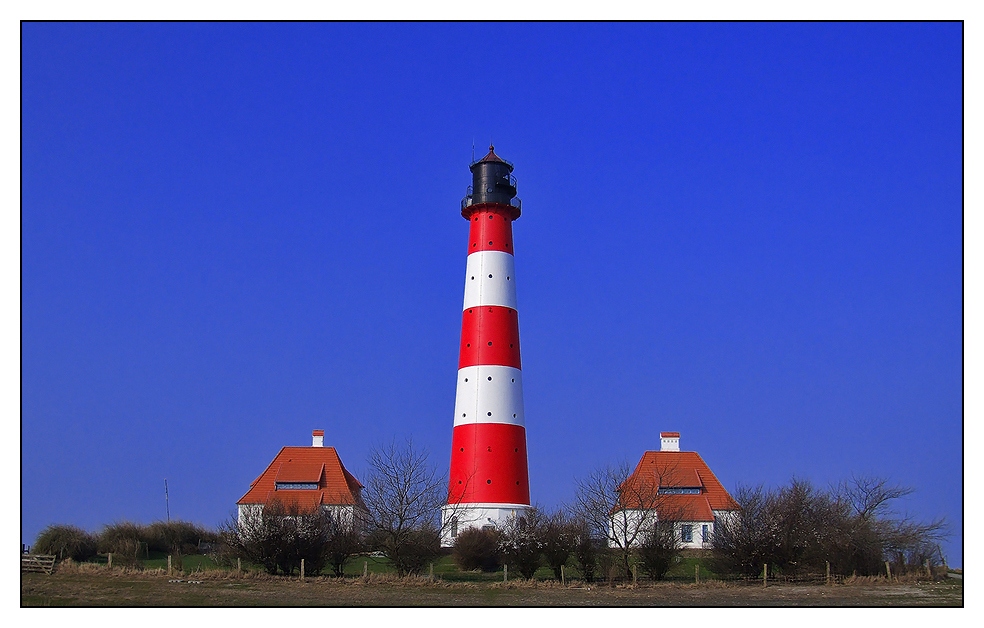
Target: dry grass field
x,y
119,588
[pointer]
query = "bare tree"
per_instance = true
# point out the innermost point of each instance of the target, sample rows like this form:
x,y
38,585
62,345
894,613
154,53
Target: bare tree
x,y
587,548
799,527
278,536
558,539
659,546
341,543
621,507
869,496
742,542
519,540
403,495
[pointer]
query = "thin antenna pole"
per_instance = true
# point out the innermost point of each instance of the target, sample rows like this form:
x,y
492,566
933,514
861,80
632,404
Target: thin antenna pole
x,y
167,506
473,150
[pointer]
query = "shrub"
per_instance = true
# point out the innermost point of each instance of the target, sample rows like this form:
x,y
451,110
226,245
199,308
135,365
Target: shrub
x,y
799,528
341,543
658,548
559,537
279,537
179,537
520,542
476,549
418,548
65,541
586,550
125,540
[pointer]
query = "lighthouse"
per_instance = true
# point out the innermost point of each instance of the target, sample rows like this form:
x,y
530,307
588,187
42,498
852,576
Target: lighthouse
x,y
489,479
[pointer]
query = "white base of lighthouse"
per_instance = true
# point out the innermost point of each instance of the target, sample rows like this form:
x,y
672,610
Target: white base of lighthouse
x,y
456,518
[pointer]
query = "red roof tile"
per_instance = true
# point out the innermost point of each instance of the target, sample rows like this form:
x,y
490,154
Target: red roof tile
x,y
681,469
305,464
685,508
301,472
681,478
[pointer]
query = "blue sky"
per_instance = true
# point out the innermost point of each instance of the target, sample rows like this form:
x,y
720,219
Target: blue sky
x,y
235,233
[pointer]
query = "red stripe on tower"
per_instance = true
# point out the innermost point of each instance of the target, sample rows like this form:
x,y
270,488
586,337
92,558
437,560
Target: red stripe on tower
x,y
489,479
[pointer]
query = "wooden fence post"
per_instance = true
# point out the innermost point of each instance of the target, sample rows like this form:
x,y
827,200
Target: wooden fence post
x,y
697,573
562,581
169,564
634,575
828,572
302,570
929,572
888,570
505,572
109,560
765,574
239,565
365,570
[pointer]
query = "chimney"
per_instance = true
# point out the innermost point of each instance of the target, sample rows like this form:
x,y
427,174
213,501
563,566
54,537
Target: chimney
x,y
669,441
318,438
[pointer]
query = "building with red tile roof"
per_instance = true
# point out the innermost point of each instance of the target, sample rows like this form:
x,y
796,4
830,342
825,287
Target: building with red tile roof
x,y
674,485
304,479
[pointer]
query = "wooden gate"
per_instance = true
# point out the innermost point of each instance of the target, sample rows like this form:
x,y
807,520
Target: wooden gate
x,y
38,563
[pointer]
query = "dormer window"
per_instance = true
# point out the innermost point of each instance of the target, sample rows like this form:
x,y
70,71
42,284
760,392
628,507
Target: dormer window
x,y
295,486
679,490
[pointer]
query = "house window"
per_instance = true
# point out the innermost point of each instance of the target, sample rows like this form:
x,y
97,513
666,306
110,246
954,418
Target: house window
x,y
296,486
705,533
679,490
454,527
687,533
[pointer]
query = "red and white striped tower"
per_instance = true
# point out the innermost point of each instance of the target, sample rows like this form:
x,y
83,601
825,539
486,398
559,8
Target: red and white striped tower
x,y
489,479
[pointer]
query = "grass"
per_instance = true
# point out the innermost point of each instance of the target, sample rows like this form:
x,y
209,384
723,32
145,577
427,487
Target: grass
x,y
445,570
94,585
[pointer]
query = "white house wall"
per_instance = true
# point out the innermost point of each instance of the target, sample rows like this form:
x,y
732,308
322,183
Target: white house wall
x,y
344,513
623,526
